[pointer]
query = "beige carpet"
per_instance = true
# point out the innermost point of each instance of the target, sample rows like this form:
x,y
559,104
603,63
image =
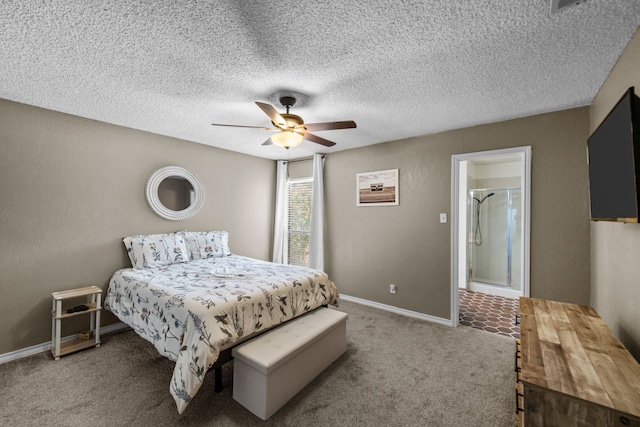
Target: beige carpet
x,y
397,371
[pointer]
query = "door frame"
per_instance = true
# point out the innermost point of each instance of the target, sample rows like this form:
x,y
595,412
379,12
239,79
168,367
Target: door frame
x,y
456,209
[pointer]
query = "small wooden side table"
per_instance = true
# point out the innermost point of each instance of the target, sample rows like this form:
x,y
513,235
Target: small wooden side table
x,y
58,314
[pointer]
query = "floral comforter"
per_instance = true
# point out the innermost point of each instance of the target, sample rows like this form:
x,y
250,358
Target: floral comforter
x,y
190,310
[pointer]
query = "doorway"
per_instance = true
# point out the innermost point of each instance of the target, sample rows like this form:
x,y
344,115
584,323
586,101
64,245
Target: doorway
x,y
490,225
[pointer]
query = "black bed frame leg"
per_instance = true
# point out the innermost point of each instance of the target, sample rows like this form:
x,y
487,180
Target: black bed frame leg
x,y
217,387
224,357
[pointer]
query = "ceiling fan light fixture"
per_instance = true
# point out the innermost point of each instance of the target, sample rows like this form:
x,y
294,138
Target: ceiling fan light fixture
x,y
292,128
287,139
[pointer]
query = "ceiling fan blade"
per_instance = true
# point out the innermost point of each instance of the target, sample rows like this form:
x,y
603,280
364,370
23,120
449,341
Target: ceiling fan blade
x,y
315,138
268,142
241,126
275,117
314,127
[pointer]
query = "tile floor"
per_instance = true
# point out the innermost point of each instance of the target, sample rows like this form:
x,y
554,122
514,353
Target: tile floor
x,y
489,312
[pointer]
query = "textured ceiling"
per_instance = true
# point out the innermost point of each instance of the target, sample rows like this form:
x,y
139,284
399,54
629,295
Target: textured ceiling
x,y
397,68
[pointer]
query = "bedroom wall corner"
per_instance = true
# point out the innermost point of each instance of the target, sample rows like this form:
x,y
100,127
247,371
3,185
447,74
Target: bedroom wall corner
x,y
72,188
615,247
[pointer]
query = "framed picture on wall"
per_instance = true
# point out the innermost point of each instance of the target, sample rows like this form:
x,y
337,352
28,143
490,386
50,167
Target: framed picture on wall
x,y
378,188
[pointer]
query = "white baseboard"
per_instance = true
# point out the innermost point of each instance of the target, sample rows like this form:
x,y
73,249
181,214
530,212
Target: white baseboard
x,y
402,311
39,348
501,291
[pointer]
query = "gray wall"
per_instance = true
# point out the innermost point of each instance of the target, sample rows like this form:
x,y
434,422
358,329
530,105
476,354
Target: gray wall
x,y
371,247
72,188
615,248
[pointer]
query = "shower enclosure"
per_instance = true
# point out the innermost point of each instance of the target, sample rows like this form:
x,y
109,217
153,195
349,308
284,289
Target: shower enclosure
x,y
495,233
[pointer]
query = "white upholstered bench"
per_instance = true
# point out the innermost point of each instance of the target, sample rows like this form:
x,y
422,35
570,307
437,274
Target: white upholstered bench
x,y
271,368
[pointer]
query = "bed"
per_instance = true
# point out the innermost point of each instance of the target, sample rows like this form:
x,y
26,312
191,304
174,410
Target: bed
x,y
192,299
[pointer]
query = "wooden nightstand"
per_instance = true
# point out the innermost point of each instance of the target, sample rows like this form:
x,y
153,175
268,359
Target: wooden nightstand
x,y
93,306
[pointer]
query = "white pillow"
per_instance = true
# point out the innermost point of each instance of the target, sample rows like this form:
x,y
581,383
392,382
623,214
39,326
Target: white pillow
x,y
207,244
155,250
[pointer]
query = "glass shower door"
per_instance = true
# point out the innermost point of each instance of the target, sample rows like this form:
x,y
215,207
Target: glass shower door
x,y
516,239
494,237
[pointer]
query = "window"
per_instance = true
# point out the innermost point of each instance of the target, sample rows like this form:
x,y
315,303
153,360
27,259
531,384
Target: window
x,y
299,199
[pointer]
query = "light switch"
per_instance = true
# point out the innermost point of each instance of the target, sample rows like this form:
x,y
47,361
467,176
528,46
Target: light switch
x,y
443,218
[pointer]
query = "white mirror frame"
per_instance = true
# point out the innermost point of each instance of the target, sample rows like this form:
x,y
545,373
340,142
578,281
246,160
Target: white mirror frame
x,y
151,193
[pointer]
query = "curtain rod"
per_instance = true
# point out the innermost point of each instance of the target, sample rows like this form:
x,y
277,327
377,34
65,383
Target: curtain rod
x,y
300,160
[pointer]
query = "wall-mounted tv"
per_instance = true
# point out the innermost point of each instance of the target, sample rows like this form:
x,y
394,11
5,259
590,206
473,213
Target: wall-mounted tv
x,y
614,158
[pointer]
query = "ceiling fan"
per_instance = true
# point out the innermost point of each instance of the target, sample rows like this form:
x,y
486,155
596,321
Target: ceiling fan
x,y
292,129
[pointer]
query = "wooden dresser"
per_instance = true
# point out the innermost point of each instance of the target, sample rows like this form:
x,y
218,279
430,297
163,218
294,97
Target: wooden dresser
x,y
574,372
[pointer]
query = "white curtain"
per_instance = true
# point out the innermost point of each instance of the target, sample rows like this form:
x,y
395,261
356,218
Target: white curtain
x,y
280,247
316,240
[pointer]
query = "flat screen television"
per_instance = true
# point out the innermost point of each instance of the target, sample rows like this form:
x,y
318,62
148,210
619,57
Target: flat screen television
x,y
614,158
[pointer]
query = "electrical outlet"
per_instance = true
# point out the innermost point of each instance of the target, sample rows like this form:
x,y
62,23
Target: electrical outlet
x,y
443,218
392,288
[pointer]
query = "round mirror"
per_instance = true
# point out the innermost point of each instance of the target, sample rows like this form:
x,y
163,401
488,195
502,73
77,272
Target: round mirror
x,y
174,193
